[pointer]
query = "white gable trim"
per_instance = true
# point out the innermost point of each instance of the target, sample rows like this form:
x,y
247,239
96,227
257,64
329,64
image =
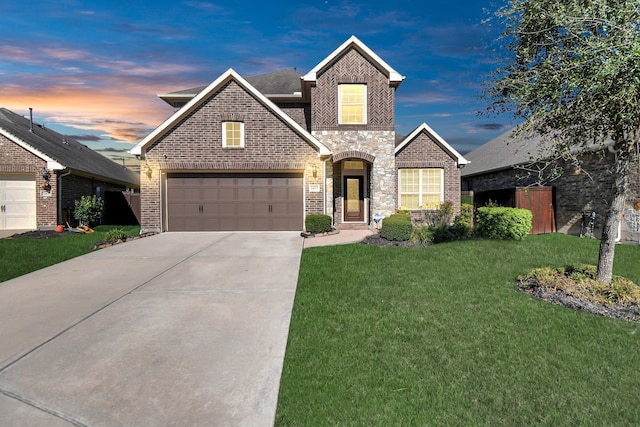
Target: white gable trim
x,y
51,163
394,76
230,74
441,142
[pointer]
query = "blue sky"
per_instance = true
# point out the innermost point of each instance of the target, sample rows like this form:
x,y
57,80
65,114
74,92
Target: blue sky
x,y
92,70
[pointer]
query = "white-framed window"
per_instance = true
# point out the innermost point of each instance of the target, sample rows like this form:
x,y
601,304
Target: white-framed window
x,y
232,134
421,188
352,108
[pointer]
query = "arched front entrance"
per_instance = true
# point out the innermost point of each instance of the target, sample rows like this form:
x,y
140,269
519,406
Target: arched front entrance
x,y
352,179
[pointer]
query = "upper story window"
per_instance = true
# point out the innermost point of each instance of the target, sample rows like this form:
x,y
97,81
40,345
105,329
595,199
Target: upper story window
x,y
232,134
353,104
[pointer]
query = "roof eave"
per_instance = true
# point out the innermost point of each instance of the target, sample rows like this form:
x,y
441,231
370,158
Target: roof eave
x,y
461,161
395,78
52,164
230,74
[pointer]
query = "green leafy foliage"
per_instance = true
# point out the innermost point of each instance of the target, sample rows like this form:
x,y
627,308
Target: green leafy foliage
x,y
397,227
503,223
573,76
465,217
579,281
317,223
115,234
450,233
422,235
88,210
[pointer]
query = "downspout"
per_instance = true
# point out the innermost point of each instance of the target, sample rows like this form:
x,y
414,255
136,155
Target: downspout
x,y
60,193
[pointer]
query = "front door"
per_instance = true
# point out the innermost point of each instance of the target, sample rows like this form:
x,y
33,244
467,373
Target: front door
x,y
353,198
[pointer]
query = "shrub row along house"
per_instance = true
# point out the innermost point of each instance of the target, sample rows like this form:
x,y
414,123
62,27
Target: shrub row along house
x,y
505,170
42,173
261,153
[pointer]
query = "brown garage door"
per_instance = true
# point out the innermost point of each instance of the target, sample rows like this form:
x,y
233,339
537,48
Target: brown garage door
x,y
229,202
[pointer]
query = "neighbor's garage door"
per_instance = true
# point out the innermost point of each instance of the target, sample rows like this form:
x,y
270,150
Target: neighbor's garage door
x,y
17,201
228,202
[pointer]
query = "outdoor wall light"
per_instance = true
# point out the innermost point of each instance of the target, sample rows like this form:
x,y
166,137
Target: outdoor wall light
x,y
45,174
148,172
314,170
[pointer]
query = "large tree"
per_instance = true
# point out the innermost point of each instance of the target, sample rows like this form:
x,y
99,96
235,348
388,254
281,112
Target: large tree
x,y
573,74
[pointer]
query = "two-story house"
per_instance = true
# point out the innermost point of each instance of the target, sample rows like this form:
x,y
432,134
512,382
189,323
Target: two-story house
x,y
261,153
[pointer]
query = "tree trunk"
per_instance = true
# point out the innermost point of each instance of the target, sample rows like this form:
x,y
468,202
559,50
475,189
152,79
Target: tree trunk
x,y
613,218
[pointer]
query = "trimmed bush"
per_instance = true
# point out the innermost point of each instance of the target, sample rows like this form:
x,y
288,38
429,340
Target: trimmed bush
x,y
503,223
397,227
466,215
317,223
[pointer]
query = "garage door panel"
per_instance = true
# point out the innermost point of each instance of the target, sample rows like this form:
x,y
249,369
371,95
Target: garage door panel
x,y
18,201
230,202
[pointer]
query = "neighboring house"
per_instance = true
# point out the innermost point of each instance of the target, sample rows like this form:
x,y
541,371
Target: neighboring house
x,y
500,166
43,172
263,152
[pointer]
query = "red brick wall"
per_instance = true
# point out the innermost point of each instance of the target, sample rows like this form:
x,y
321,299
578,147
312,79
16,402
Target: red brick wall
x,y
352,67
195,144
15,159
423,152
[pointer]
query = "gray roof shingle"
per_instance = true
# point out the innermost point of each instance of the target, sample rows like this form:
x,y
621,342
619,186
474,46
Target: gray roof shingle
x,y
284,82
504,152
66,151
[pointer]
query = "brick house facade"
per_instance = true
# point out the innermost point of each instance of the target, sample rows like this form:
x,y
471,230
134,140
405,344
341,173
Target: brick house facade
x,y
319,143
577,190
42,173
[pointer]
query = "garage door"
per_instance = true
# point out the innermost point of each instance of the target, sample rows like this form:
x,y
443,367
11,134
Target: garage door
x,y
17,202
229,202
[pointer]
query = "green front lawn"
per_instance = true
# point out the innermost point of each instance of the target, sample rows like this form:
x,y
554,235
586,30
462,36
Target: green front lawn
x,y
441,336
20,256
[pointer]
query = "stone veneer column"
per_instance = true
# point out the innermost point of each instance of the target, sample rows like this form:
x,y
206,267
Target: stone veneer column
x,y
381,145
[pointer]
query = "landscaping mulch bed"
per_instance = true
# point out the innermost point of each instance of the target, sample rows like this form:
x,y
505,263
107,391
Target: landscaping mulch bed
x,y
39,234
376,240
558,297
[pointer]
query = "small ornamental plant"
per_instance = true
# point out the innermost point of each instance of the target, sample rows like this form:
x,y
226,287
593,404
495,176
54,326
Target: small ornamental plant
x,y
88,210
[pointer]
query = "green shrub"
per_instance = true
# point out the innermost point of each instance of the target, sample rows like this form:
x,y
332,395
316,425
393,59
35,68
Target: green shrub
x,y
422,235
115,234
88,210
317,223
466,215
466,200
445,213
450,233
397,227
503,223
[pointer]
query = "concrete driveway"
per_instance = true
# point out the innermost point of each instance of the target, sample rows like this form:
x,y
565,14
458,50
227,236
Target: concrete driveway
x,y
182,329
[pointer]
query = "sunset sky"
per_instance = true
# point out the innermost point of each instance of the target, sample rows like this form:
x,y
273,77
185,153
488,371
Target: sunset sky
x,y
92,70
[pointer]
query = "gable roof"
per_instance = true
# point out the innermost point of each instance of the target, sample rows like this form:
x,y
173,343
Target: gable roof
x,y
61,152
278,84
504,152
438,140
204,94
395,78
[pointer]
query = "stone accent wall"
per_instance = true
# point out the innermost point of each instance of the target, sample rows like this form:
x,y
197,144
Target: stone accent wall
x,y
376,145
424,152
195,144
586,190
352,67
